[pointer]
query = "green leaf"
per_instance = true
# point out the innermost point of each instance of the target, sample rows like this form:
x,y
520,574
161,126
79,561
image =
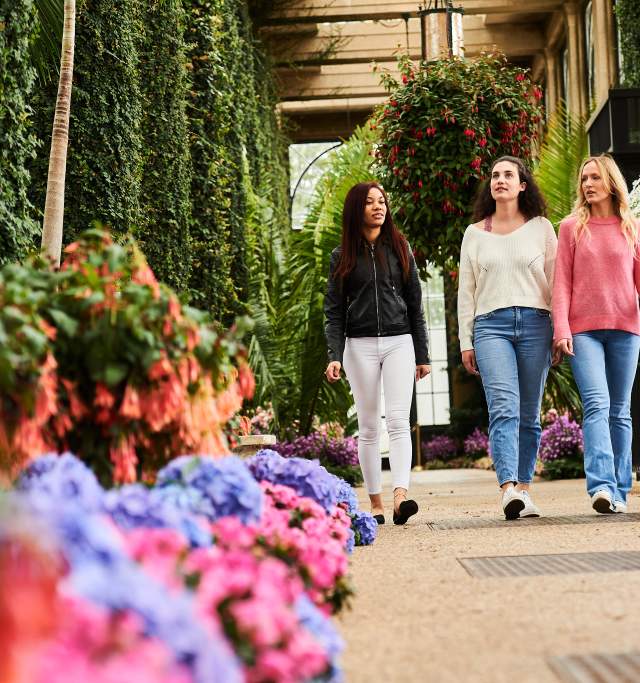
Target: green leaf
x,y
64,322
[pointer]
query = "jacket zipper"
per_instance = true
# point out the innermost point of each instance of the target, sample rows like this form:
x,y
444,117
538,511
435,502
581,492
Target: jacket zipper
x,y
375,286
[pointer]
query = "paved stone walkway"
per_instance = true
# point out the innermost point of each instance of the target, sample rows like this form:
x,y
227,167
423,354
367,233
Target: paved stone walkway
x,y
419,616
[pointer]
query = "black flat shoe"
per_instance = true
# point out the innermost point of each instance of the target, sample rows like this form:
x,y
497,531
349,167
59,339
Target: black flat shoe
x,y
407,509
379,519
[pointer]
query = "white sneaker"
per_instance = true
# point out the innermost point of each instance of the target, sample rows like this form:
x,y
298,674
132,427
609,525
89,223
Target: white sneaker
x,y
619,506
530,508
512,503
601,502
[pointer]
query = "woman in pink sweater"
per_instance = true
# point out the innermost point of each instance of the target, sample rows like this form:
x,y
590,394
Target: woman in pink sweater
x,y
597,323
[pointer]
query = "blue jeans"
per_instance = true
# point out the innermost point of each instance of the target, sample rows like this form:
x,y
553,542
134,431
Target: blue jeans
x,y
513,354
604,367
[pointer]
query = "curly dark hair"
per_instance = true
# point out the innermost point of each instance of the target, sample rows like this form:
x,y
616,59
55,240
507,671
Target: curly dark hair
x,y
530,201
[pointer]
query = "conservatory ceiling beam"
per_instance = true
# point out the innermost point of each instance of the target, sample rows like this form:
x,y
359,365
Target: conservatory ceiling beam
x,y
366,41
322,11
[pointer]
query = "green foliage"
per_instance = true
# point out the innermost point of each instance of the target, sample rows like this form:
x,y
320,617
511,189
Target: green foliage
x,y
563,149
440,130
104,163
166,177
18,142
236,147
628,16
288,349
45,50
564,468
213,171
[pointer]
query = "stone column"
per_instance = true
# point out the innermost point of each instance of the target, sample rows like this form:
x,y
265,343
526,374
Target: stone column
x,y
551,77
604,39
577,96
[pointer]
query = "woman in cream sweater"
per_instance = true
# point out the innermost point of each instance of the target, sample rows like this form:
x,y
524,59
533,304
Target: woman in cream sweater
x,y
504,303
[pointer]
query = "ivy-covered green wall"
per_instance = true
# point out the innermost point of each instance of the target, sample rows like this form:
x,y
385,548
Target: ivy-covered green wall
x,y
235,141
166,164
172,119
17,141
628,16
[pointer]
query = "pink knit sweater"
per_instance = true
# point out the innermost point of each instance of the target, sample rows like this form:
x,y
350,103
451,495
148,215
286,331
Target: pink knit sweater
x,y
596,281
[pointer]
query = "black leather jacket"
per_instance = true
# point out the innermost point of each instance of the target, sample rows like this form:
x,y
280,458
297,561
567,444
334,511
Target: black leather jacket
x,y
375,301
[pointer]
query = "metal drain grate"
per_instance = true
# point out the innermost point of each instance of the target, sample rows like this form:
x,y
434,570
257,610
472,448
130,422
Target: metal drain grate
x,y
537,565
620,668
489,523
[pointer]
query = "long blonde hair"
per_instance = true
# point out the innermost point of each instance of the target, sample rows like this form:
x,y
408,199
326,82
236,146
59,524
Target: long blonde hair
x,y
615,184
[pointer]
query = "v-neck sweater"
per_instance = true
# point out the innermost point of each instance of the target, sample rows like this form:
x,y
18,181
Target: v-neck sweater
x,y
500,271
597,280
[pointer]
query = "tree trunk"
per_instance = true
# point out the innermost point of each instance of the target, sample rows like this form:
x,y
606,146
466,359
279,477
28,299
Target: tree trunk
x,y
54,203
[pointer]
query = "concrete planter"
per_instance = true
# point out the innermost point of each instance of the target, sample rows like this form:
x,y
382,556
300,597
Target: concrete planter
x,y
250,445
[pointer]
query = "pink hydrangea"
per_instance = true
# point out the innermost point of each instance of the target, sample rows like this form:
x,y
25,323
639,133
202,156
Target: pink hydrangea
x,y
94,644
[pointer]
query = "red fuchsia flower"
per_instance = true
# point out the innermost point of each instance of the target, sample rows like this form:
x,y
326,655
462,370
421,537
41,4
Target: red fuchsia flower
x,y
393,103
476,163
419,135
537,92
469,133
520,77
482,142
447,206
405,80
420,184
453,274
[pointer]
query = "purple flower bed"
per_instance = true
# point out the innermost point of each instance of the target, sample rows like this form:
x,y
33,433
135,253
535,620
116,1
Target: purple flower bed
x,y
439,448
476,444
342,452
561,439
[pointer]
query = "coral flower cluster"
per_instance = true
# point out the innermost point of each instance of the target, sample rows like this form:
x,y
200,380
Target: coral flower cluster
x,y
102,360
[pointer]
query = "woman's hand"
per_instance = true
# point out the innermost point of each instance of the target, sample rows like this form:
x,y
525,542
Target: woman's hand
x,y
563,346
422,371
332,372
469,362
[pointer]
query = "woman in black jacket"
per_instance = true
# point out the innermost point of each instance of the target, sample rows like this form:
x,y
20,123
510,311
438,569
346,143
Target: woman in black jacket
x,y
375,328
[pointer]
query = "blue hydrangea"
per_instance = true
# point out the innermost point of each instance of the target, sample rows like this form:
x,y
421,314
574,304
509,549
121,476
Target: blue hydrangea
x,y
347,495
134,506
54,480
226,485
365,528
307,477
322,629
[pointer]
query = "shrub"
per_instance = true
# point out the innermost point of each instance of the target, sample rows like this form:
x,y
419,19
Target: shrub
x,y
439,131
110,365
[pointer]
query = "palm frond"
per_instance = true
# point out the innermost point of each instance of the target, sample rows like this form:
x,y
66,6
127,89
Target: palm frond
x,y
45,50
564,147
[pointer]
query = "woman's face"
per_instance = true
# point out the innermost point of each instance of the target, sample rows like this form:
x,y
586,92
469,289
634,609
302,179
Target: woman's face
x,y
593,185
375,209
505,182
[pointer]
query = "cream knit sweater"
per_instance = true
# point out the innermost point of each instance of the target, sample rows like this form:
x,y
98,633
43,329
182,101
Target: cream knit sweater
x,y
499,271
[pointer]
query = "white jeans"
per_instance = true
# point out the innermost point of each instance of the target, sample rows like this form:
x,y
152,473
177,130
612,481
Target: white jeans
x,y
366,360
